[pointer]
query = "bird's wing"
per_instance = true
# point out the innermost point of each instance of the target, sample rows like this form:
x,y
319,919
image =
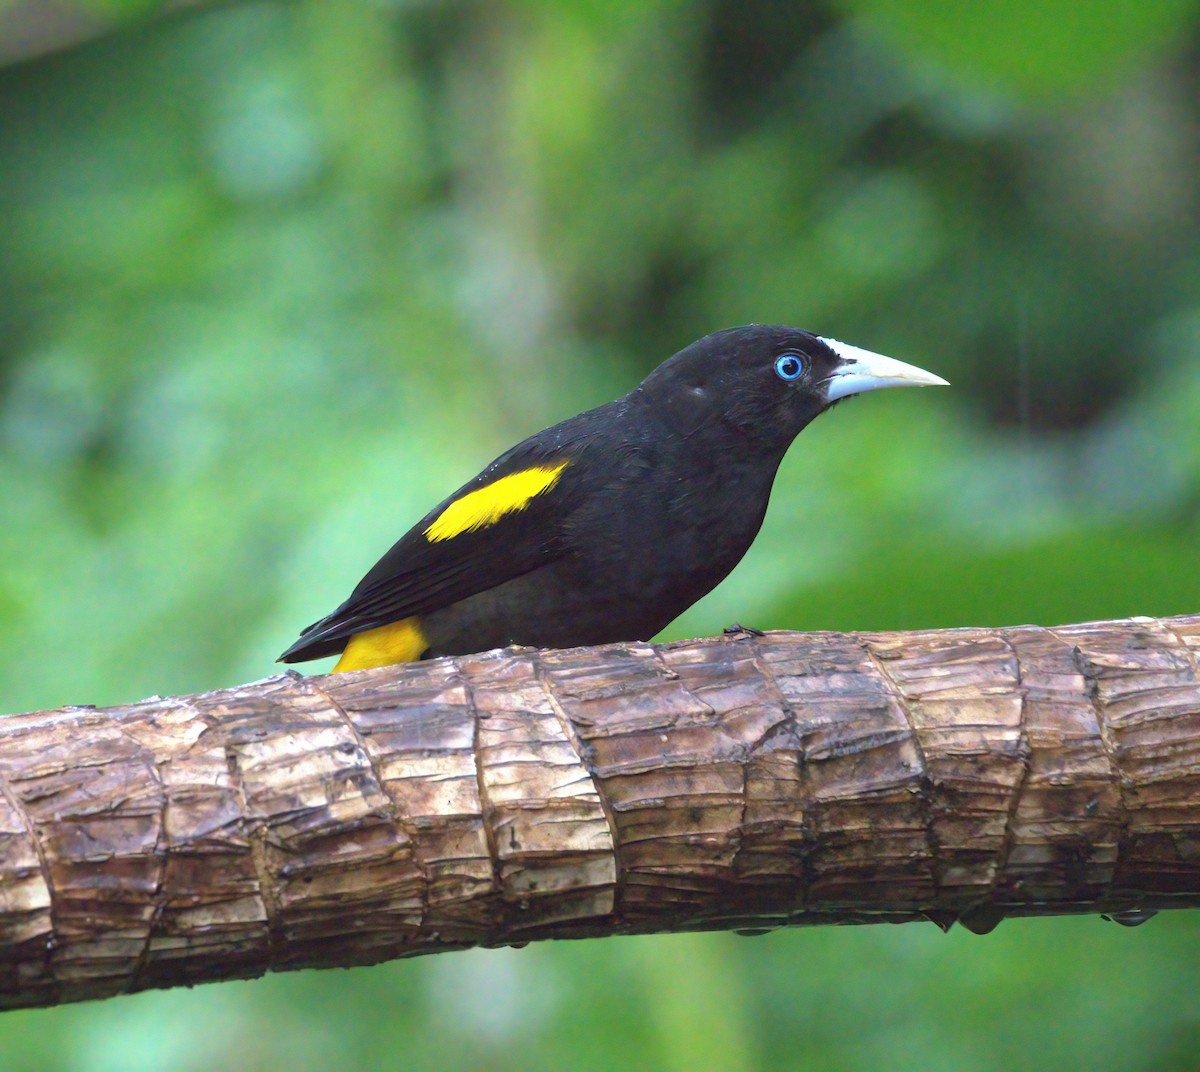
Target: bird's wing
x,y
506,522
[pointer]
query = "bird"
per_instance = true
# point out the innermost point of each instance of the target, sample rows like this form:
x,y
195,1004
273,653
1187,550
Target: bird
x,y
606,526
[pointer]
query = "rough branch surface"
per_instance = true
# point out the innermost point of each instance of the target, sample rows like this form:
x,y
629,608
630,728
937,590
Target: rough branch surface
x,y
741,782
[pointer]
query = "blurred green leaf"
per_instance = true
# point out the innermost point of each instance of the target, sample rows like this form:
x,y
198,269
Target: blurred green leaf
x,y
122,9
1043,48
1080,575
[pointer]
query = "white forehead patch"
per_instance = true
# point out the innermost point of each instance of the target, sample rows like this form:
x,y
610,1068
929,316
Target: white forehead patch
x,y
853,353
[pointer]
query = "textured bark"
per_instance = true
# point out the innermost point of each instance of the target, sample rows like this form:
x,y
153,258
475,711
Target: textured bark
x,y
740,782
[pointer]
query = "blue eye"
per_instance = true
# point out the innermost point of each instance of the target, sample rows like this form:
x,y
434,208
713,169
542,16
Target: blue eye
x,y
789,366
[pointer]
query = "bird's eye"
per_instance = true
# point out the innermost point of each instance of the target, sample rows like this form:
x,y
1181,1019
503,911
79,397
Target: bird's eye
x,y
789,366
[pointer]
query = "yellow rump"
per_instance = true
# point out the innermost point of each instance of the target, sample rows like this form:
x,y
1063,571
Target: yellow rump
x,y
400,642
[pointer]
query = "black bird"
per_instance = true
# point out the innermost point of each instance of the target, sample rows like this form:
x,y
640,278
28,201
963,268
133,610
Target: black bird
x,y
607,526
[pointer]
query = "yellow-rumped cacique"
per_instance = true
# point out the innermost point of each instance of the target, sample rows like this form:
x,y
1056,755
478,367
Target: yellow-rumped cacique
x,y
609,525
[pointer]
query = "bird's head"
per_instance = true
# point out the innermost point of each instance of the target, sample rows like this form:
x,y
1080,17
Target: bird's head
x,y
768,381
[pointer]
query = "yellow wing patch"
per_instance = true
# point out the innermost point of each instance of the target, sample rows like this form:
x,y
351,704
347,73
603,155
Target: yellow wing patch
x,y
400,642
487,505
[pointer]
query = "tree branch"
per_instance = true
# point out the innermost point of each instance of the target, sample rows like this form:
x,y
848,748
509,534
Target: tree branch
x,y
740,782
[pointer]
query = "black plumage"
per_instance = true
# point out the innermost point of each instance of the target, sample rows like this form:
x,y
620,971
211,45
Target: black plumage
x,y
657,496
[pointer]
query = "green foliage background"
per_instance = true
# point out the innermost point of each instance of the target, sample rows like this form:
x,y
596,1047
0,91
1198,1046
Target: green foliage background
x,y
274,277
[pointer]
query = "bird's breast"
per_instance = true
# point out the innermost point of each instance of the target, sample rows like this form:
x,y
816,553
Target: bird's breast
x,y
674,524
